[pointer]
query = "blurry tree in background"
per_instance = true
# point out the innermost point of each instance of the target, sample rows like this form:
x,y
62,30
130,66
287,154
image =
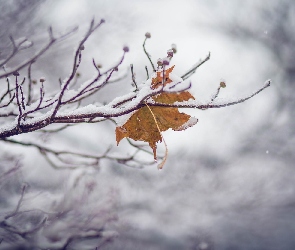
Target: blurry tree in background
x,y
81,212
277,22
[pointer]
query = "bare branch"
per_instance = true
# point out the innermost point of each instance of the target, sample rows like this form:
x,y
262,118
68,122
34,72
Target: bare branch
x,y
22,97
147,73
89,89
18,204
16,48
58,154
137,100
133,77
147,54
18,102
208,106
30,83
38,54
10,171
77,60
64,111
79,160
9,102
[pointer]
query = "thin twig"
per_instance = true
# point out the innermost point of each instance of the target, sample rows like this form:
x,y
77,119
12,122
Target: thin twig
x,y
208,106
18,204
77,60
147,54
38,54
45,150
10,171
9,102
133,77
18,103
22,97
16,48
89,89
30,84
147,73
194,68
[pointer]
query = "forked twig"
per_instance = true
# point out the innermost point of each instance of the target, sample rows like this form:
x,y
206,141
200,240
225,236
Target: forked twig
x,y
52,40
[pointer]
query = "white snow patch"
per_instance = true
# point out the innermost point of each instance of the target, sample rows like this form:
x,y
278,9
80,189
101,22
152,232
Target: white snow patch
x,y
7,127
39,118
121,120
69,94
191,122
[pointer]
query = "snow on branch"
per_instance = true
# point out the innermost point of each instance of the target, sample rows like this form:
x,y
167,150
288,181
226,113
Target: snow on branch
x,y
21,111
26,107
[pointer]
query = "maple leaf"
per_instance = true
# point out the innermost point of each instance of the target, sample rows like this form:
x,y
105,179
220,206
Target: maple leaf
x,y
147,123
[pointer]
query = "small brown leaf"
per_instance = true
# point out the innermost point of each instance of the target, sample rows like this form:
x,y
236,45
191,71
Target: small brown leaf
x,y
147,123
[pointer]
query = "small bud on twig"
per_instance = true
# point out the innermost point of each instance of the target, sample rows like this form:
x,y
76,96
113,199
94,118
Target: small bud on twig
x,y
166,61
148,35
82,47
42,79
222,84
170,53
15,73
160,62
126,49
173,47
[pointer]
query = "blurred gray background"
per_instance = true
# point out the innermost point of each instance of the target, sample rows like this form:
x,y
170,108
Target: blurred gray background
x,y
229,181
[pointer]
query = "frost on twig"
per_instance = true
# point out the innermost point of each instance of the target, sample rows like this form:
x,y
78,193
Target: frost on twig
x,y
21,111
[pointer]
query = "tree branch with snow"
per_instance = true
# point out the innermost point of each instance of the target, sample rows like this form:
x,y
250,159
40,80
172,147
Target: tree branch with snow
x,y
21,111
